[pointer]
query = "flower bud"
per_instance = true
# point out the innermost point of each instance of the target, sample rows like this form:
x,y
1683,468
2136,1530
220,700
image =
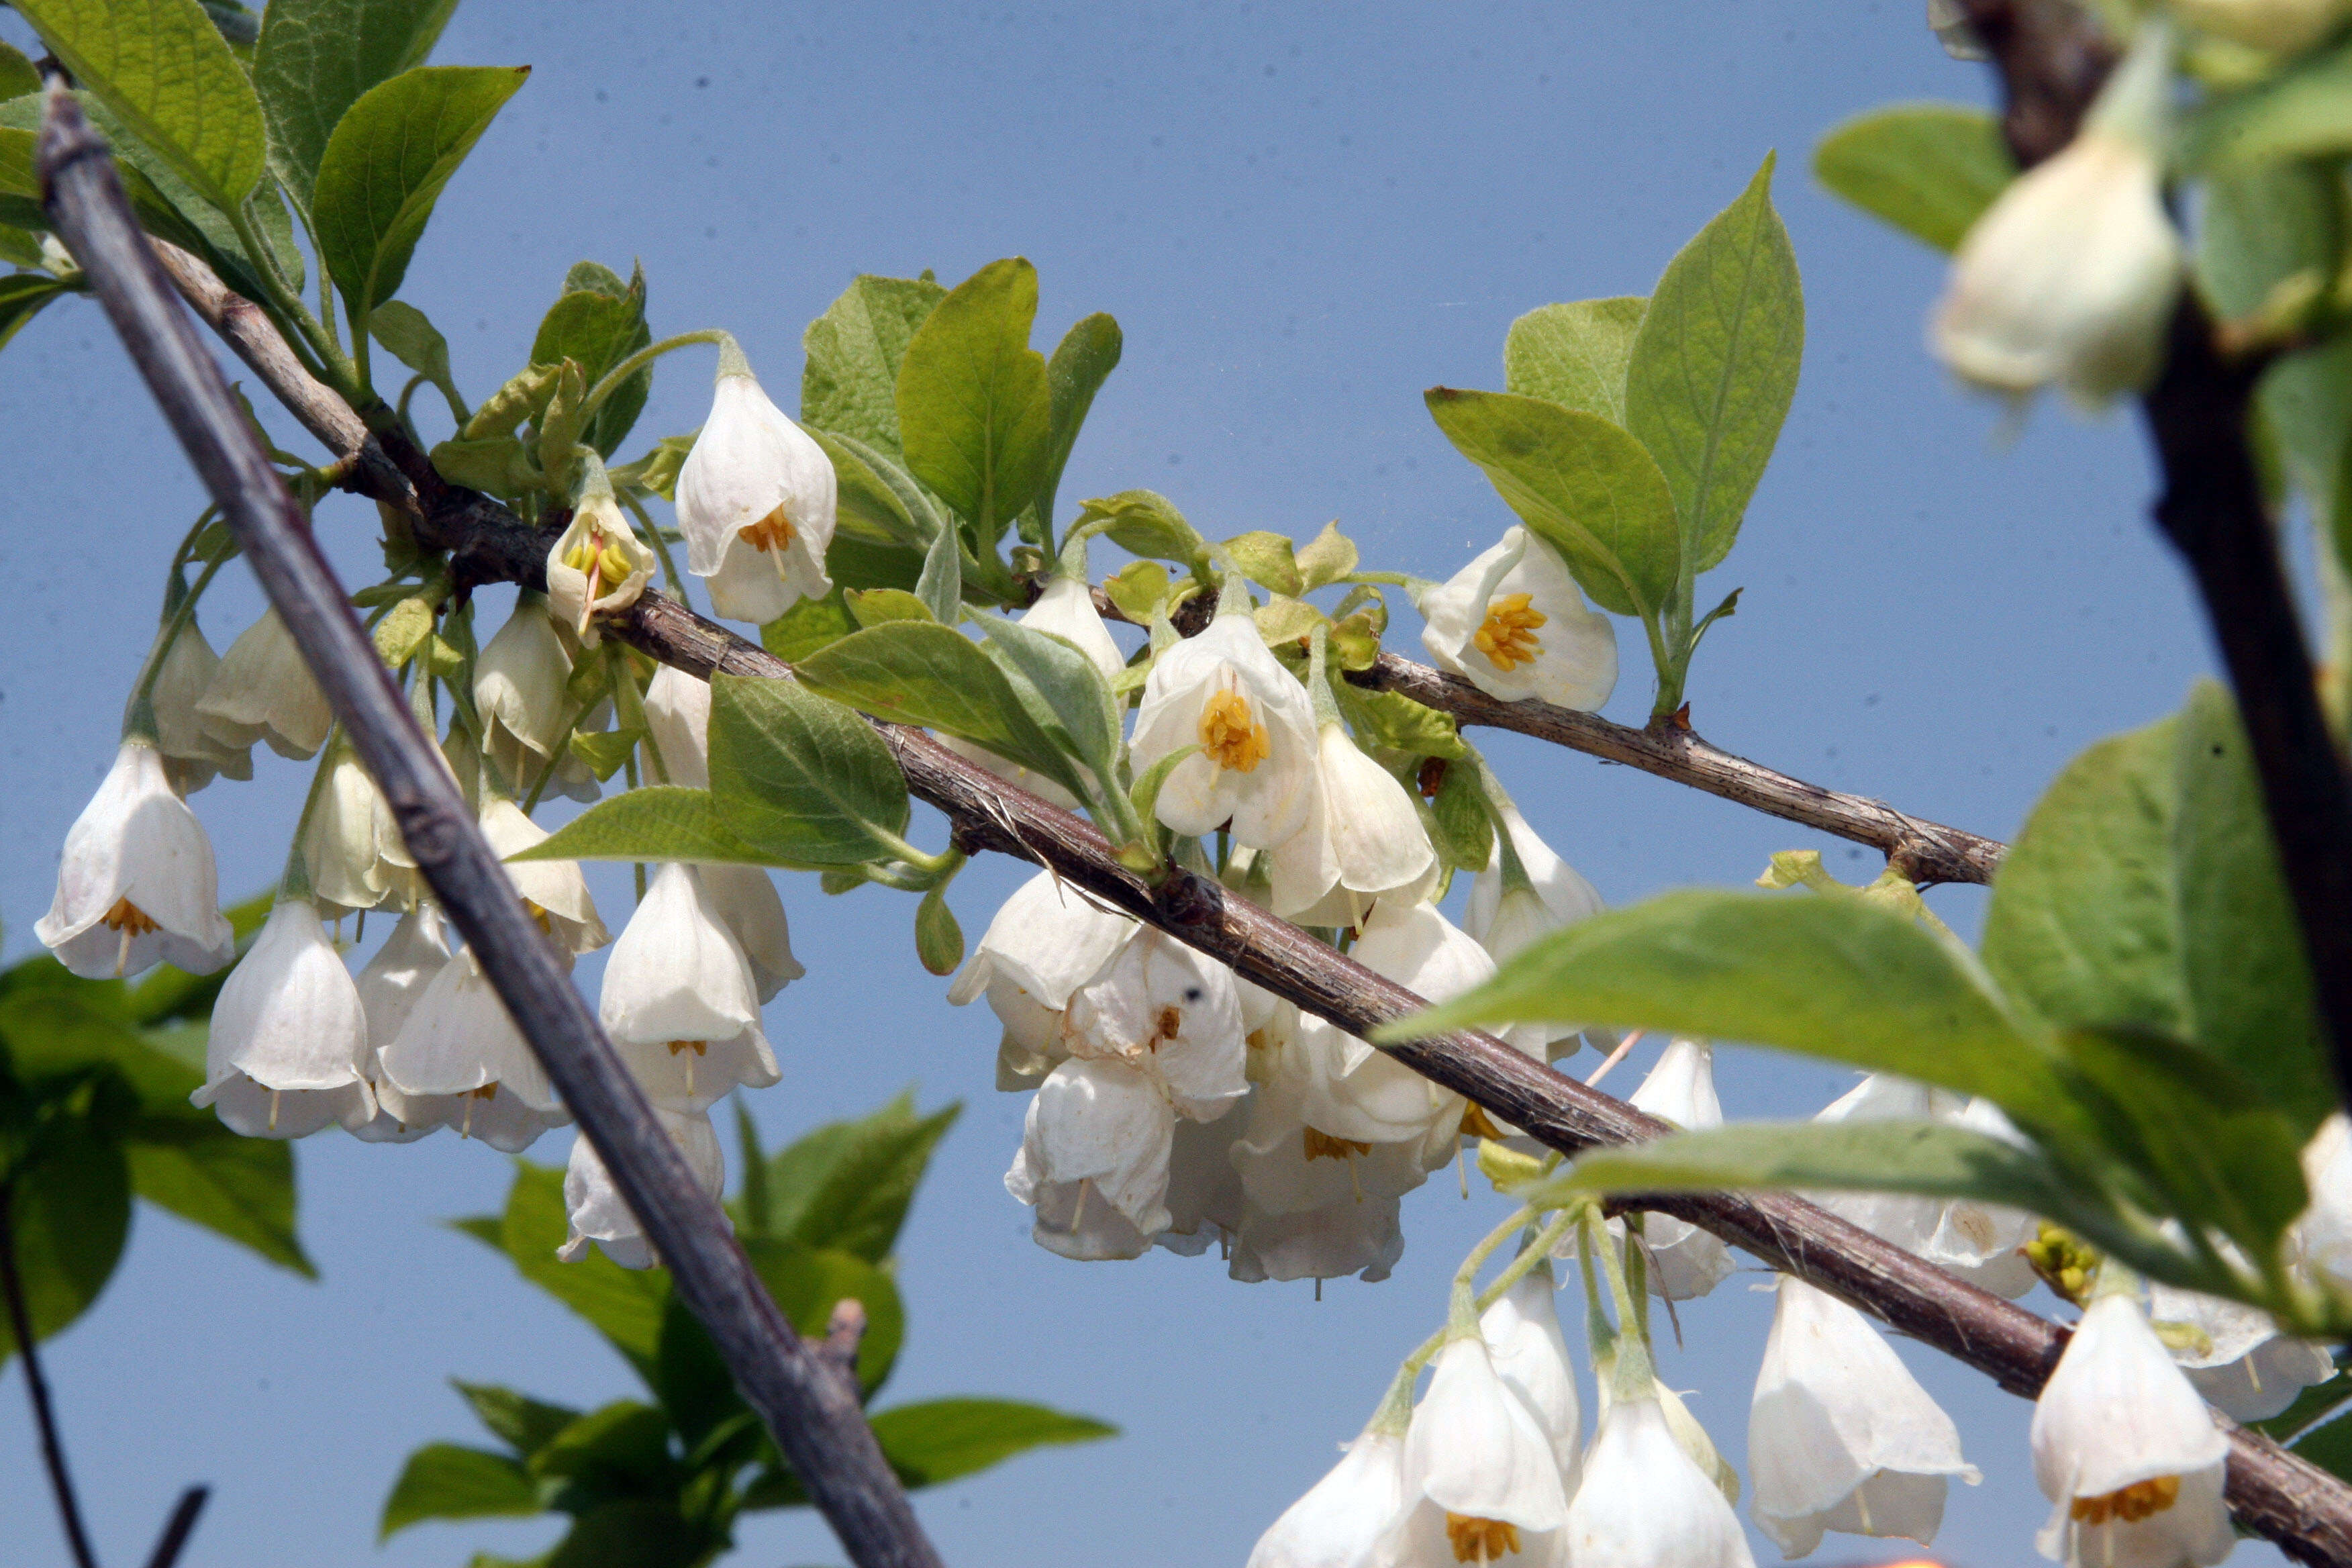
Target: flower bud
x,y
192,754
519,690
755,501
553,890
677,999
352,847
262,690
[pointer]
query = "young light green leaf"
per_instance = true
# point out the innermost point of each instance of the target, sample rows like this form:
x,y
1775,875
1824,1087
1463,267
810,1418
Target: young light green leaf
x,y
1139,589
801,778
869,506
872,606
1082,361
1395,722
22,295
1581,482
1328,557
1715,365
1145,794
1465,829
314,59
1267,560
940,589
1929,168
445,1481
849,384
938,939
386,165
652,822
1060,685
916,672
939,1440
1575,355
975,412
417,343
2302,112
162,66
70,1212
808,626
1147,523
18,75
599,322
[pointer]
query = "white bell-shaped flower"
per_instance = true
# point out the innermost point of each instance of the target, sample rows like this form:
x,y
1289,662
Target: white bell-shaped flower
x,y
756,502
1046,940
1363,841
1251,719
1513,624
2071,275
677,711
389,988
2278,26
1093,1160
352,847
192,753
1065,608
1841,1436
287,1054
553,890
598,565
2324,1230
1340,1519
678,999
1504,919
1685,1261
1312,1205
459,1059
1480,1481
1205,1192
136,885
1530,1354
1169,1012
2236,1356
519,684
593,1203
744,898
1645,1503
261,691
2124,1448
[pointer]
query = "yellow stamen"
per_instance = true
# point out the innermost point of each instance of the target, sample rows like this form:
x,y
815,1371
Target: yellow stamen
x,y
2133,1504
1230,735
546,922
1320,1145
772,532
1476,1539
466,1123
1477,1123
700,1048
129,919
1508,636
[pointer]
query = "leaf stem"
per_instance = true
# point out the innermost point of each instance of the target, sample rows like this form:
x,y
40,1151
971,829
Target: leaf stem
x,y
613,378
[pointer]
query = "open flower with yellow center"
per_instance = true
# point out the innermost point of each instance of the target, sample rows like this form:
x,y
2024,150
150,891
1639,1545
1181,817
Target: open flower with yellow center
x,y
136,885
2124,1448
679,1001
599,566
1317,1205
460,1061
288,1047
594,1204
1513,624
1481,1485
1254,729
755,501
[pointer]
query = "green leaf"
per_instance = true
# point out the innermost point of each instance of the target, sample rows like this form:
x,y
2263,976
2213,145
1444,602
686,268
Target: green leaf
x,y
2328,1445
918,672
1575,355
1265,559
523,1423
606,751
624,1305
2248,983
1929,168
1714,366
867,506
848,1184
753,1164
1838,978
1061,687
416,342
18,75
652,822
1082,361
18,247
599,325
808,626
633,1532
872,606
1395,722
1464,830
22,295
443,1481
2305,110
70,1216
938,939
315,58
808,1281
241,1189
621,1446
1139,589
939,1440
1146,523
975,411
1328,557
2312,1406
162,66
850,384
801,778
1579,481
940,586
385,164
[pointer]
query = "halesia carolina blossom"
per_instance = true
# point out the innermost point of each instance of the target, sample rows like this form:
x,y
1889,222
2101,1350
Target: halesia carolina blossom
x,y
192,753
677,711
136,885
1340,1521
1093,1160
1046,940
554,892
2324,1230
389,989
458,1059
352,847
261,691
1315,1206
1480,1481
1645,1503
1504,919
593,1204
599,566
1169,1012
2278,27
519,692
1363,841
287,1050
2237,1358
679,1000
1251,719
1685,1261
1841,1436
1513,624
2071,275
755,501
1530,1354
1205,1192
2124,1448
1066,609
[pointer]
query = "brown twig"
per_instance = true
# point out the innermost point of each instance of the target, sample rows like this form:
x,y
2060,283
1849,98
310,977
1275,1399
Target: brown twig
x,y
45,1416
813,1415
178,1528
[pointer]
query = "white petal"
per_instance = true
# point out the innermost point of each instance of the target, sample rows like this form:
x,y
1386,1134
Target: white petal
x,y
1474,1448
137,840
1338,1522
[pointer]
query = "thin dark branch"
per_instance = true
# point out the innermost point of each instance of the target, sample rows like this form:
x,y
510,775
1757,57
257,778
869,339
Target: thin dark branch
x,y
45,1417
179,1527
2274,1493
813,1414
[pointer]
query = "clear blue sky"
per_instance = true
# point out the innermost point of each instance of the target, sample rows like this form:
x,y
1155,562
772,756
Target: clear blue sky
x,y
1300,224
